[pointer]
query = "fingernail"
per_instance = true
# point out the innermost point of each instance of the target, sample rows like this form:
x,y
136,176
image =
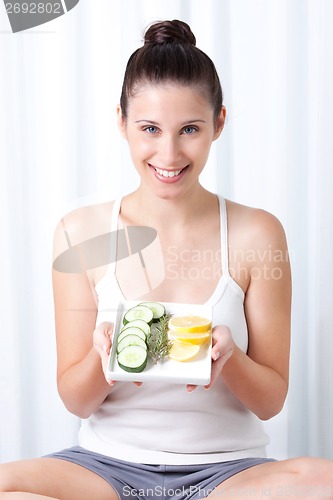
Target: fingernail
x,y
216,356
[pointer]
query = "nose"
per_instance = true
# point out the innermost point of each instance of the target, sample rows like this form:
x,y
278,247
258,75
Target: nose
x,y
169,151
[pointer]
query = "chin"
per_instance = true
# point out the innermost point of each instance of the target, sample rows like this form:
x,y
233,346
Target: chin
x,y
170,194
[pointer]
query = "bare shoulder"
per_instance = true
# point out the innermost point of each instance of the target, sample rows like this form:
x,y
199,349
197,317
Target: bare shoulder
x,y
253,226
82,224
257,242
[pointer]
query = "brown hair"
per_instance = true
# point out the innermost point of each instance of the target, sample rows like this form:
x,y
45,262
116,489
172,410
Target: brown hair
x,y
170,54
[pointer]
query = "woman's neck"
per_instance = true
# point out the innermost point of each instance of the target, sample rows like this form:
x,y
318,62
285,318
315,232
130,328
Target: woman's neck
x,y
160,212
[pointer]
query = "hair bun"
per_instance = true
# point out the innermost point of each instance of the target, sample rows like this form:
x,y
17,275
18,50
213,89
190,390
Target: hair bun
x,y
169,32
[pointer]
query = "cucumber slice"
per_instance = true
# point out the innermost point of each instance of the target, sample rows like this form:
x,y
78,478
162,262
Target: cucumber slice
x,y
157,308
131,330
139,312
130,340
139,323
133,358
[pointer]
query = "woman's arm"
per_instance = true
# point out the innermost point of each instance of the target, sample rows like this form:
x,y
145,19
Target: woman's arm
x,y
81,382
259,379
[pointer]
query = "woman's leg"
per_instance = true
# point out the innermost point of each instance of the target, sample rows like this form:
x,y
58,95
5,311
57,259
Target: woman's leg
x,y
294,478
18,495
52,478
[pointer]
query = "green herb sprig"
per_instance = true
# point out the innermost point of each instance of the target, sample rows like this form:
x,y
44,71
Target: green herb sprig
x,y
159,344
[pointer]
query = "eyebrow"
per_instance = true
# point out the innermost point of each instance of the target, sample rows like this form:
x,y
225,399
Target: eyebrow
x,y
151,122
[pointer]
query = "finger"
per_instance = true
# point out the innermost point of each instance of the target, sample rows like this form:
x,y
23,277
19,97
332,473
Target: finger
x,y
220,338
104,330
108,334
191,387
104,355
106,348
217,367
215,353
102,337
101,351
222,341
216,350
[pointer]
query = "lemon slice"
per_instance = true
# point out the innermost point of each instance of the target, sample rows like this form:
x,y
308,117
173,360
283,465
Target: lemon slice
x,y
190,338
183,351
189,324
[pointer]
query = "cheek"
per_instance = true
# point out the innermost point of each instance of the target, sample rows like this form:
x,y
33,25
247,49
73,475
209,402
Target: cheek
x,y
200,149
139,147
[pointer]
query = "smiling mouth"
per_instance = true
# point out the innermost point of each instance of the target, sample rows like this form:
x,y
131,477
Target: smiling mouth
x,y
168,173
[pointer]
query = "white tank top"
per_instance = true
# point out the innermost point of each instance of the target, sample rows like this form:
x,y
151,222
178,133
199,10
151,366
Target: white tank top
x,y
161,423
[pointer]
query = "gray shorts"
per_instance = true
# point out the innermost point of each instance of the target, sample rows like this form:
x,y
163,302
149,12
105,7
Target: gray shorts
x,y
141,481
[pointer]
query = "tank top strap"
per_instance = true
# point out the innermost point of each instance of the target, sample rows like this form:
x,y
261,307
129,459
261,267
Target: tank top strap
x,y
114,228
224,236
115,214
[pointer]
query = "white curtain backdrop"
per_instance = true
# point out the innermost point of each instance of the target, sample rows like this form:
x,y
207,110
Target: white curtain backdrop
x,y
60,148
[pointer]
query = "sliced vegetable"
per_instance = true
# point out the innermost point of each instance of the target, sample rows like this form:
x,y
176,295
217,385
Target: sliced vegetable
x,y
157,308
131,330
139,323
130,340
133,358
139,312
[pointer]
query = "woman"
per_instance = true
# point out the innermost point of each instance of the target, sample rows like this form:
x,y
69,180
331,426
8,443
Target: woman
x,y
161,439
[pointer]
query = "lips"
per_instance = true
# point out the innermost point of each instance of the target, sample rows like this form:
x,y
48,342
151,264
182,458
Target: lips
x,y
168,174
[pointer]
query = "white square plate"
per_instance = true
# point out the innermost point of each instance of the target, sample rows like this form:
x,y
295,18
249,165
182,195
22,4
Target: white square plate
x,y
195,371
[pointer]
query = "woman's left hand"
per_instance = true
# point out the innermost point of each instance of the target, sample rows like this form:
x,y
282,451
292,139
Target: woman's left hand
x,y
222,349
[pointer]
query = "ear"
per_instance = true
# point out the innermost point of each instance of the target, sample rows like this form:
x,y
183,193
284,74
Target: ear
x,y
220,123
121,122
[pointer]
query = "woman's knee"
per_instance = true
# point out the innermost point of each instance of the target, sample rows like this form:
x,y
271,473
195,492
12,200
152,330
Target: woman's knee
x,y
8,478
53,478
313,470
21,475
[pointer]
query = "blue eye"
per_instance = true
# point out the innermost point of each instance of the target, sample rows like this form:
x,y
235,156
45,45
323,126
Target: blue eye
x,y
189,130
151,129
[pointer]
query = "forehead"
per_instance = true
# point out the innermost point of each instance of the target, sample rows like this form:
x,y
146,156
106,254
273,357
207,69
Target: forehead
x,y
168,100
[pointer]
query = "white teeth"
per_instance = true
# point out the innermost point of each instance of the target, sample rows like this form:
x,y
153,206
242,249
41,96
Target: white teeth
x,y
168,173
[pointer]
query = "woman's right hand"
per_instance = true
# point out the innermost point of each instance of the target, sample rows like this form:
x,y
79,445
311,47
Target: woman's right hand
x,y
102,340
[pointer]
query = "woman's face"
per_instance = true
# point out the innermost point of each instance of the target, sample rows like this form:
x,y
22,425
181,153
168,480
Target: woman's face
x,y
169,129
